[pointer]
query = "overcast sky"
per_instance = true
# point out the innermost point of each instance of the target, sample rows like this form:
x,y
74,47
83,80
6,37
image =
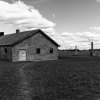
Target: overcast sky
x,y
69,22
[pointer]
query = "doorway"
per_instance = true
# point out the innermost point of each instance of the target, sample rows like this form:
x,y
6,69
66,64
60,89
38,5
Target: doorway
x,y
22,55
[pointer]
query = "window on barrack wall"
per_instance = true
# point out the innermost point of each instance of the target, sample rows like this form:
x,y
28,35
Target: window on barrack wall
x,y
5,50
38,50
51,50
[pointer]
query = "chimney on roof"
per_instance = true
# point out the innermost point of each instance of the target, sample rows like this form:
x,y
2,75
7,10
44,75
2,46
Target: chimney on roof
x,y
17,30
1,33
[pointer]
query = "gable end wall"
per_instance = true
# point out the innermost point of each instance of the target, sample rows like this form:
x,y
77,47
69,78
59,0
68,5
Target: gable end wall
x,y
30,44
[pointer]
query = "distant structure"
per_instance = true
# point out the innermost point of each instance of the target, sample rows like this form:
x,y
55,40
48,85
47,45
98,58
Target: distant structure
x,y
76,50
32,45
91,51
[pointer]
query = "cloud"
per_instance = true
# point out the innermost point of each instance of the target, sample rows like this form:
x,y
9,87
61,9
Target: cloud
x,y
81,39
20,14
98,0
54,15
95,28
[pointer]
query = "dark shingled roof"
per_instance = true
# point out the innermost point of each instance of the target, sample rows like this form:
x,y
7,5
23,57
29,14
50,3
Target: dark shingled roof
x,y
15,38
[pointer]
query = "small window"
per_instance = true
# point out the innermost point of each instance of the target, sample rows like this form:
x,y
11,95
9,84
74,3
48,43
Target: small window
x,y
38,50
5,50
51,50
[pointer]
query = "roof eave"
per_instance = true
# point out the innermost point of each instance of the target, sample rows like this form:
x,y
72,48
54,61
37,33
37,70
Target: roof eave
x,y
12,44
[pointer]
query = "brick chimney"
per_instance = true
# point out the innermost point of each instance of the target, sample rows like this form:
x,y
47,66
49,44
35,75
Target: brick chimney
x,y
17,30
1,33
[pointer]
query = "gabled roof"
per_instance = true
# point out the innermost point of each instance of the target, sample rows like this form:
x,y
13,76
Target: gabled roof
x,y
15,38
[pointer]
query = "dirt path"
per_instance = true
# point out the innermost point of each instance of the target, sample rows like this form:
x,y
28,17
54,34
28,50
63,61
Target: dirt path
x,y
23,85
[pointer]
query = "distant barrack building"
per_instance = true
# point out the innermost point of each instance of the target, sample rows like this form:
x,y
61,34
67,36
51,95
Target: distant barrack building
x,y
31,45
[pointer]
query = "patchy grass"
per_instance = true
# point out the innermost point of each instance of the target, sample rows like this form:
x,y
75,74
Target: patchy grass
x,y
75,78
71,78
9,80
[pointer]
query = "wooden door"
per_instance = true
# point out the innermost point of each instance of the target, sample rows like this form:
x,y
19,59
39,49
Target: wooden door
x,y
22,55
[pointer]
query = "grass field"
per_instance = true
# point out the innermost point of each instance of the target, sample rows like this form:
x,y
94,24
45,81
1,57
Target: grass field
x,y
69,78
